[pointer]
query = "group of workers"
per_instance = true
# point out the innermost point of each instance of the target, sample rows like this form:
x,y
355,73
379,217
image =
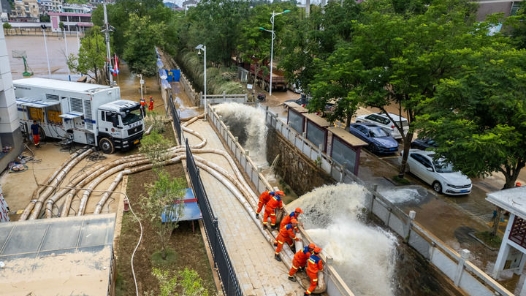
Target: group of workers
x,y
143,106
308,258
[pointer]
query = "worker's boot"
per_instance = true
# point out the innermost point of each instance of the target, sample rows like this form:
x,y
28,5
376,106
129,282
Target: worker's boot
x,y
276,256
292,279
257,216
275,243
273,227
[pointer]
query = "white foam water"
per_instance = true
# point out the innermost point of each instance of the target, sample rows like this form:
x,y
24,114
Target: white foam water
x,y
401,195
364,256
248,124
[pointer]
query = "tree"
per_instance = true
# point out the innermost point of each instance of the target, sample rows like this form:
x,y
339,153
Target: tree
x,y
189,281
92,55
478,116
143,35
166,194
6,27
165,197
401,58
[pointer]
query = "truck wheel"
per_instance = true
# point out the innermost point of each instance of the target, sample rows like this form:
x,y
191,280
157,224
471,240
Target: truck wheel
x,y
106,146
41,133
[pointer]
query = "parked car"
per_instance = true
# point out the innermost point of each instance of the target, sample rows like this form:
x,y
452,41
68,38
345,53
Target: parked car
x,y
438,173
380,142
383,121
424,143
303,100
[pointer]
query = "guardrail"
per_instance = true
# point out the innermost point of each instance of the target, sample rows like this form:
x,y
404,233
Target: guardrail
x,y
217,99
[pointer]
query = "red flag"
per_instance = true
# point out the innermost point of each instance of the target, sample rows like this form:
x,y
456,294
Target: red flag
x,y
116,68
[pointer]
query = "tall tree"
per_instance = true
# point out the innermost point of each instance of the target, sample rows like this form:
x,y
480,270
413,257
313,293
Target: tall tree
x,y
403,57
92,55
478,116
143,35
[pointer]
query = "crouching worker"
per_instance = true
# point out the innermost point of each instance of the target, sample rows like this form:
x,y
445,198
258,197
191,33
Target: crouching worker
x,y
300,260
314,265
274,203
263,200
293,215
286,235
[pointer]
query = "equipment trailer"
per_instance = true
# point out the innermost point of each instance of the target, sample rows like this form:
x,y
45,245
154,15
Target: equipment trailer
x,y
83,113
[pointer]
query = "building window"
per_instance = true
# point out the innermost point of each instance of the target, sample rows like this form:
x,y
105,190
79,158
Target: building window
x,y
514,7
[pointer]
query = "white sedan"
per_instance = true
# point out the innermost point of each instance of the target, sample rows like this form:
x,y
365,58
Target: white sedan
x,y
439,174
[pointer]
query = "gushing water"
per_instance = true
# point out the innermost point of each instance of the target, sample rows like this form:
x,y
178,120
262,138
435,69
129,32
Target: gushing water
x,y
248,124
363,255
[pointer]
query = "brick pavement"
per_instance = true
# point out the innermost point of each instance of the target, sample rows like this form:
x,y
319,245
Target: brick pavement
x,y
251,254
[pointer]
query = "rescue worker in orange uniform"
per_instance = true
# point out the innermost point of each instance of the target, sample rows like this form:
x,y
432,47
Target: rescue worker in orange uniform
x,y
274,203
150,106
143,107
300,260
263,199
286,220
314,264
286,235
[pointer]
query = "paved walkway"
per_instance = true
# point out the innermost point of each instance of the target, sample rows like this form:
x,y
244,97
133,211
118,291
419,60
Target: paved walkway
x,y
251,254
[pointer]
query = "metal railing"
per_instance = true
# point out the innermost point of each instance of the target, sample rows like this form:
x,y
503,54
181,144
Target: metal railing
x,y
220,255
215,240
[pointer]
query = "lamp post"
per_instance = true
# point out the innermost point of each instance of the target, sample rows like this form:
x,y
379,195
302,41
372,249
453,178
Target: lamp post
x,y
203,48
272,44
45,44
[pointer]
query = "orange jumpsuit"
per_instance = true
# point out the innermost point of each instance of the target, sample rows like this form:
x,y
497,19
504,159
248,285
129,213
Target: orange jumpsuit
x,y
150,106
286,235
299,260
274,203
286,219
263,199
143,106
314,264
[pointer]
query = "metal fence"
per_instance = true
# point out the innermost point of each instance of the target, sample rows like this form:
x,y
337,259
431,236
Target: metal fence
x,y
215,240
222,262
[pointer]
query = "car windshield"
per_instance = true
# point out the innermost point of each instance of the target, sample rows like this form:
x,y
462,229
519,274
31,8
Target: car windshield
x,y
131,117
377,132
443,167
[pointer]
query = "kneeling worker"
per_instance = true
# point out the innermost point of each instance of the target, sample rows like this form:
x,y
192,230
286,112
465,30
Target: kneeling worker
x,y
263,200
286,235
275,203
300,260
293,215
314,265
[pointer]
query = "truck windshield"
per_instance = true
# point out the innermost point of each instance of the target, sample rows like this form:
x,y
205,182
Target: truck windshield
x,y
131,117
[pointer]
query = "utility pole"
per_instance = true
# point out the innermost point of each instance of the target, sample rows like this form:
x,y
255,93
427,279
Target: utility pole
x,y
106,31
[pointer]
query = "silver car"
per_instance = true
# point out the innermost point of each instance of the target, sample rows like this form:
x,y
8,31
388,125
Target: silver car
x,y
383,121
437,172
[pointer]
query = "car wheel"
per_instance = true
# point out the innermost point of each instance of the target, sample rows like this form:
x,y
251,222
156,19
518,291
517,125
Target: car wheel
x,y
437,187
106,146
374,148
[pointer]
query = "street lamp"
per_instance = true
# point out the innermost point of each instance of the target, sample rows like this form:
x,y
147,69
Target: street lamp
x,y
272,43
203,48
44,27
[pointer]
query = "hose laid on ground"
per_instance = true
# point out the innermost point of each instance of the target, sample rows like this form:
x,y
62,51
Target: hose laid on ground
x,y
35,207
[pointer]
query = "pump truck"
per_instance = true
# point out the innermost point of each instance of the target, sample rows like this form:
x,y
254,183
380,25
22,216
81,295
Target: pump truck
x,y
78,112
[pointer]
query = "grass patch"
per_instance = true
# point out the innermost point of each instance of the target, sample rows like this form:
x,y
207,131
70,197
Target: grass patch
x,y
489,239
400,181
158,261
